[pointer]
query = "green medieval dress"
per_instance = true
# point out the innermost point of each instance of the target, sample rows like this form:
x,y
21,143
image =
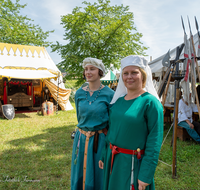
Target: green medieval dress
x,y
136,123
92,117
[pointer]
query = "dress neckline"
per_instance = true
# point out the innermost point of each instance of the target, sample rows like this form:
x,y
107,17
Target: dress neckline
x,y
134,98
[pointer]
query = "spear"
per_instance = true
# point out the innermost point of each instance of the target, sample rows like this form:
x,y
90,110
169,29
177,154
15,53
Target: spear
x,y
176,101
186,53
166,62
197,27
193,53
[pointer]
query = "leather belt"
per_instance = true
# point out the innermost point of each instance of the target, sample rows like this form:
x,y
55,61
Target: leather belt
x,y
117,150
88,134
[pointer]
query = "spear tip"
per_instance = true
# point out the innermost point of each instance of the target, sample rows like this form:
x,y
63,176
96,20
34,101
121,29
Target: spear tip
x,y
196,23
183,24
189,25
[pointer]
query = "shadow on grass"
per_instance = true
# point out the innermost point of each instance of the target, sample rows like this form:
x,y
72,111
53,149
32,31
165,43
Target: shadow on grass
x,y
38,162
21,115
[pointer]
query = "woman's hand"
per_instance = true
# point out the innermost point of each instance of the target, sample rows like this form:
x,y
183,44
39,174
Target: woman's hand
x,y
105,131
142,185
100,164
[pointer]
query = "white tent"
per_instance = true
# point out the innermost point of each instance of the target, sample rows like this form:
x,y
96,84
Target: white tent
x,y
32,62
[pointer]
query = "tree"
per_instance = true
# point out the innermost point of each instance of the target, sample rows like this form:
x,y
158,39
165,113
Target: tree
x,y
18,29
101,31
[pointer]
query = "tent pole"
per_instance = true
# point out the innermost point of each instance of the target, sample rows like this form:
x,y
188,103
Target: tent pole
x,y
41,98
32,94
57,94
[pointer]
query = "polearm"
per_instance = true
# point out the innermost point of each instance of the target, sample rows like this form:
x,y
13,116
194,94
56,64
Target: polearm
x,y
166,63
176,101
167,74
186,54
197,27
187,62
164,82
193,53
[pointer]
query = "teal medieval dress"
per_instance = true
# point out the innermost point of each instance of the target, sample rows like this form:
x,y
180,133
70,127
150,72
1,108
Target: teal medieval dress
x,y
133,124
91,117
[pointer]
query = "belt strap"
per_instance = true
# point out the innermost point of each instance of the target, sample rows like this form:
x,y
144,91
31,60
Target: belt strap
x,y
88,134
117,150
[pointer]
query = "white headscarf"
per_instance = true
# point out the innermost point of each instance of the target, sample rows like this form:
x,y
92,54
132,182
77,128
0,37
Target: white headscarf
x,y
140,61
95,62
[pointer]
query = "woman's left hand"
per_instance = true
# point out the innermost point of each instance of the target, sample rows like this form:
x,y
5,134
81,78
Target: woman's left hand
x,y
105,131
142,185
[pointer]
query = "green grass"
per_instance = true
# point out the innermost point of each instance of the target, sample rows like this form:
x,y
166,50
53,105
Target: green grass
x,y
188,165
35,154
35,151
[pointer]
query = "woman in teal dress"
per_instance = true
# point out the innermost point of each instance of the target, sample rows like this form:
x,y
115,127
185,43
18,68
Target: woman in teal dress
x,y
92,106
134,138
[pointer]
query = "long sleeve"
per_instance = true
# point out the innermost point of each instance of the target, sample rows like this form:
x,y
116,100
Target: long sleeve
x,y
103,152
76,104
184,112
154,114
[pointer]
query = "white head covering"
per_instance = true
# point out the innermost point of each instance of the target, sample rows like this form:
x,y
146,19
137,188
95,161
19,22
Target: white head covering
x,y
134,60
95,62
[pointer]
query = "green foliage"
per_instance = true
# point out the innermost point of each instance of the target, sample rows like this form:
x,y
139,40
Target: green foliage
x,y
18,29
101,31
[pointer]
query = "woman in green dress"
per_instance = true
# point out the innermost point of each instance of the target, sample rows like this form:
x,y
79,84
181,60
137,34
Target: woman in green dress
x,y
135,134
92,105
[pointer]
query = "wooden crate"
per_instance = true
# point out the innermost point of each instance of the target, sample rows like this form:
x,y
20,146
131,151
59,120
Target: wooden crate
x,y
182,133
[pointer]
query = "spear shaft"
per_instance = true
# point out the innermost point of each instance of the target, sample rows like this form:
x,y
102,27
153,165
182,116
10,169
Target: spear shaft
x,y
197,68
193,47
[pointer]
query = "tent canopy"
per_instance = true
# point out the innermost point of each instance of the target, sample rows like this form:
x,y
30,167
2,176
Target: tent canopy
x,y
32,62
109,78
26,62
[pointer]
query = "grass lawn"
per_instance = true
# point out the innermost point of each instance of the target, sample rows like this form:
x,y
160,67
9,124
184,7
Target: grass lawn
x,y
35,153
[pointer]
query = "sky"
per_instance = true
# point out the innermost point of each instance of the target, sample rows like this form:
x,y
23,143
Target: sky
x,y
159,21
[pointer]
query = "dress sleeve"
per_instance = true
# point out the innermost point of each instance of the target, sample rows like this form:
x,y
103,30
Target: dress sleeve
x,y
76,104
103,152
181,112
154,117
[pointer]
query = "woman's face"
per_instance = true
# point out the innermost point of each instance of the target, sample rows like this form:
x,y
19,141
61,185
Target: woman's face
x,y
91,73
132,78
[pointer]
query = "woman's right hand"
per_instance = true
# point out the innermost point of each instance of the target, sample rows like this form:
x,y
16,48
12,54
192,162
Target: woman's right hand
x,y
100,164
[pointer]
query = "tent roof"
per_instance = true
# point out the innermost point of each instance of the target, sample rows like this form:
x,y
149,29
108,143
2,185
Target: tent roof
x,y
28,62
109,76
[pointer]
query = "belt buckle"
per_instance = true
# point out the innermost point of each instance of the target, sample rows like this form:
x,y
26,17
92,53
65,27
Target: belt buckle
x,y
138,153
88,133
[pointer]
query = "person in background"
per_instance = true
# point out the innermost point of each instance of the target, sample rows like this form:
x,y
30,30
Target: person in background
x,y
92,106
185,110
135,134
